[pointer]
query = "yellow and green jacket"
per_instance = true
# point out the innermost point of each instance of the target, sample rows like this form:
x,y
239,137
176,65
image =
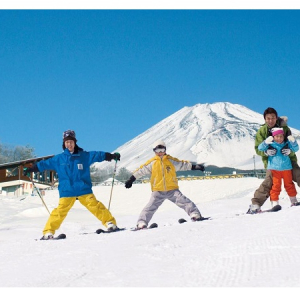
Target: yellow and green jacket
x,y
163,172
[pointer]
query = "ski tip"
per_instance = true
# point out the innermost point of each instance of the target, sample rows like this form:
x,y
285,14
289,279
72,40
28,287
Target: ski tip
x,y
276,207
61,236
203,219
153,225
180,221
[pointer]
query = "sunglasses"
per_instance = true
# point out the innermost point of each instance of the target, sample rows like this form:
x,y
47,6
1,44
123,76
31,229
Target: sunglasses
x,y
69,133
159,149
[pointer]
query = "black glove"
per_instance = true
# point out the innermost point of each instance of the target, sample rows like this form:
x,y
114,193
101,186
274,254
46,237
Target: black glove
x,y
129,182
116,156
271,151
110,156
198,167
27,171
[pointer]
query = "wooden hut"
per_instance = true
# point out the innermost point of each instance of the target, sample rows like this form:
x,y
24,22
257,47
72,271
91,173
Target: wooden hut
x,y
14,183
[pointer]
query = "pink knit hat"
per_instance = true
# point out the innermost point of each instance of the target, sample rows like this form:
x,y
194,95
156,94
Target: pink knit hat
x,y
276,131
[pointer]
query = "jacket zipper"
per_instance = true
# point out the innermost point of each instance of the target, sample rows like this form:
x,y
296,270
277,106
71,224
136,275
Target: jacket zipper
x,y
163,175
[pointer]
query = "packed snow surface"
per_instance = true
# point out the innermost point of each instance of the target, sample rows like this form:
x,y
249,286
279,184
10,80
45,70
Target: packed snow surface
x,y
226,251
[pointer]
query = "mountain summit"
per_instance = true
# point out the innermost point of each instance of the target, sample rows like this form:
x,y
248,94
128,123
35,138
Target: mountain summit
x,y
220,134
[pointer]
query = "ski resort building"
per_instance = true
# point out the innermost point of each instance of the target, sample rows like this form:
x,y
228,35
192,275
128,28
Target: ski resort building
x,y
14,183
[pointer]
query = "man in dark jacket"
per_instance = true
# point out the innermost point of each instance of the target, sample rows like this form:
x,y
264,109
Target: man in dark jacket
x,y
73,169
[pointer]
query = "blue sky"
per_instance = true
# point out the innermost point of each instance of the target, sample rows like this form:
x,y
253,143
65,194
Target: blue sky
x,y
112,74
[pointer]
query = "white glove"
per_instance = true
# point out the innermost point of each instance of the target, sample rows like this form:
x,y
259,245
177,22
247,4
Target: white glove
x,y
291,138
270,152
286,151
269,140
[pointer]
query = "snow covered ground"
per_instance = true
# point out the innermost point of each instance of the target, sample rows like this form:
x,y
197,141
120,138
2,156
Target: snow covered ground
x,y
226,251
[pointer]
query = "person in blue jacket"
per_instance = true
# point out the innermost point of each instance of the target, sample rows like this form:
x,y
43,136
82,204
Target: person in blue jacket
x,y
73,169
280,164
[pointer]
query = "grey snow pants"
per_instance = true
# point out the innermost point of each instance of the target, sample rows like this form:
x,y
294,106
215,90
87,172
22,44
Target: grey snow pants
x,y
175,196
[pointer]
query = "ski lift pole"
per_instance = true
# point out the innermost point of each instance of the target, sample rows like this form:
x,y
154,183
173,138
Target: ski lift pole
x,y
112,184
38,191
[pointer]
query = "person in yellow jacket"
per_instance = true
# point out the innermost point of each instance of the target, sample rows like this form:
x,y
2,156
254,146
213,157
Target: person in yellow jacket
x,y
164,184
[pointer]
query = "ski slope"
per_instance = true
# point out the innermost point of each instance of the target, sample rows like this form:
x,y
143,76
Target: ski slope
x,y
243,251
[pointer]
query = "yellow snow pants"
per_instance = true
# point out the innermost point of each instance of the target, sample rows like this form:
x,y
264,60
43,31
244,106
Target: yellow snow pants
x,y
65,204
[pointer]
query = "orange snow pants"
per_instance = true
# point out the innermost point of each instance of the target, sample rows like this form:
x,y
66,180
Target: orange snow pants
x,y
89,201
288,183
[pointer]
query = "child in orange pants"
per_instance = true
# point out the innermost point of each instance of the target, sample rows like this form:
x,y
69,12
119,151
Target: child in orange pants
x,y
280,164
288,183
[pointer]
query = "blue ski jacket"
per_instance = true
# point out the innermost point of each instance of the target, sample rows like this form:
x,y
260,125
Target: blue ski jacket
x,y
279,161
73,171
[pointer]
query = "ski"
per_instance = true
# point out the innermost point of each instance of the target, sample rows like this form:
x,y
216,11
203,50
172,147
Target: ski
x,y
181,221
61,236
273,209
153,225
99,231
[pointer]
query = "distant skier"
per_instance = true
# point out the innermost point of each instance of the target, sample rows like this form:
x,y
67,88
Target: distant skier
x,y
73,169
280,164
263,192
164,184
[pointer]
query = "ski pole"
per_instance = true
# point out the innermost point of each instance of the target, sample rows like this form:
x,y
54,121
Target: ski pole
x,y
38,191
112,184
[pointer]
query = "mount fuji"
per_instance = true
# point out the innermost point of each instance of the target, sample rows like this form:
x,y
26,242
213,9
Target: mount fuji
x,y
220,134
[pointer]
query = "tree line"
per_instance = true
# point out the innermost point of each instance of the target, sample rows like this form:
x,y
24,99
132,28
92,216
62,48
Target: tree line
x,y
100,175
15,153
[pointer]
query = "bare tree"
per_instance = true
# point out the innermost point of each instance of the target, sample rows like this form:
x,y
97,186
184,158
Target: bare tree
x,y
123,174
15,153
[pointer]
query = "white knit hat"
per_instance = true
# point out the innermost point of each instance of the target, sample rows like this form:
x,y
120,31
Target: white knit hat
x,y
159,143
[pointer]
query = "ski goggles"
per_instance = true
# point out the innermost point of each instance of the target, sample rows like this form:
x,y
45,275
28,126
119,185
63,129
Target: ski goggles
x,y
159,149
69,133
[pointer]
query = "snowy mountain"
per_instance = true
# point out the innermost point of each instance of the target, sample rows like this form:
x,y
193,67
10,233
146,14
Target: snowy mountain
x,y
220,134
